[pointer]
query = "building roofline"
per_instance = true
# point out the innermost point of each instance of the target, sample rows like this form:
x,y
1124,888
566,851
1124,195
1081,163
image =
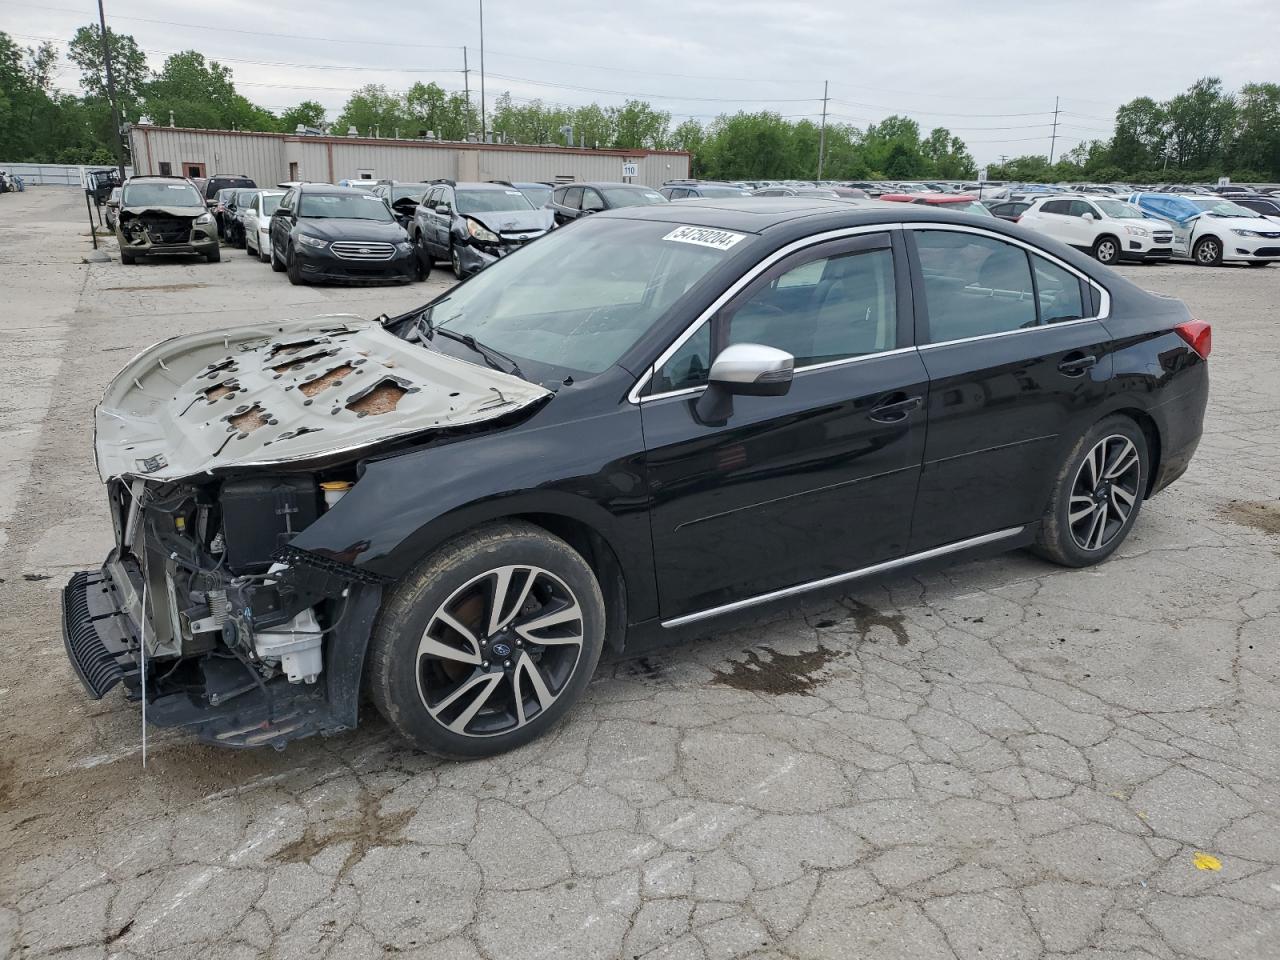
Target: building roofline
x,y
416,142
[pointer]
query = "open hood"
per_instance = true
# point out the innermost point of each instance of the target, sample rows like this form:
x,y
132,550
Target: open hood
x,y
288,392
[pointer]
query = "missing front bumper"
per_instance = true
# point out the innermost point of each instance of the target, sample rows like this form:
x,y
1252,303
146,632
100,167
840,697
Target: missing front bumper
x,y
99,637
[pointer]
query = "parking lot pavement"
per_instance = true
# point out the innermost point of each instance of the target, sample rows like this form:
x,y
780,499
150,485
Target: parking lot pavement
x,y
1003,760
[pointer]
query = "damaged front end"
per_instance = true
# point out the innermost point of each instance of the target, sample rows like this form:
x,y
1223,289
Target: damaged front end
x,y
217,450
166,230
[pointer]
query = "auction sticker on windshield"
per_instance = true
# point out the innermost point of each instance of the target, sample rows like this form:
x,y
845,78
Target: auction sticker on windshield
x,y
705,237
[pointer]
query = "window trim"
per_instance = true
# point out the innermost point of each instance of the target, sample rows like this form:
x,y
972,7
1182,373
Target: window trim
x,y
749,277
1104,297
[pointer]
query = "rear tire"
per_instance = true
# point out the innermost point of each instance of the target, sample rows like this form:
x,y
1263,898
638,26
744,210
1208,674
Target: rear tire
x,y
1106,250
1097,494
1208,252
459,680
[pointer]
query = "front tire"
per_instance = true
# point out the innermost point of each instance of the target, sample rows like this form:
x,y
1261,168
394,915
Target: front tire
x,y
294,271
1208,252
455,261
214,255
1097,494
488,643
1106,250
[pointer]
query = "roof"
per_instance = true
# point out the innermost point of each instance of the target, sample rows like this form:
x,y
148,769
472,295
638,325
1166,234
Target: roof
x,y
937,199
605,183
758,214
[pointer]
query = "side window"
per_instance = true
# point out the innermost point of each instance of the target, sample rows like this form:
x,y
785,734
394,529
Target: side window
x,y
1058,291
572,198
286,202
974,285
591,200
688,366
1061,207
1080,207
446,198
826,309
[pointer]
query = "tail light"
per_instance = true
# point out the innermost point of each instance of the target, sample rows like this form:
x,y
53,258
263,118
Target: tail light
x,y
1199,336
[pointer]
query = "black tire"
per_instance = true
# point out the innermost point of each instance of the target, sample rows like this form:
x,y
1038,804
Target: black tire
x,y
294,271
1106,250
247,251
214,255
456,262
423,256
127,258
1208,252
1074,538
460,579
276,265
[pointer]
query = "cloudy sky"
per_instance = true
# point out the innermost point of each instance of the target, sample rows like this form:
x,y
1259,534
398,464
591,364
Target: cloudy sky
x,y
987,70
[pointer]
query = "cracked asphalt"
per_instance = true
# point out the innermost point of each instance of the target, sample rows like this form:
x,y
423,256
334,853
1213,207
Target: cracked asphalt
x,y
1002,760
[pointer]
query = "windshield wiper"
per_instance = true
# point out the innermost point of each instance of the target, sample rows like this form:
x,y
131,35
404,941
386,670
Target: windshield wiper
x,y
490,355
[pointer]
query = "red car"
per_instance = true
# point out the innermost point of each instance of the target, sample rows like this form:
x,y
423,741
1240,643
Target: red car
x,y
960,202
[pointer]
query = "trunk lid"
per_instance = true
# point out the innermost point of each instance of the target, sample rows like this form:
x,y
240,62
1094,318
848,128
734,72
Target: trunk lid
x,y
286,393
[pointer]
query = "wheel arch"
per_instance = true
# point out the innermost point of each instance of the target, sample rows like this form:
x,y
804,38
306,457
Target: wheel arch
x,y
1151,431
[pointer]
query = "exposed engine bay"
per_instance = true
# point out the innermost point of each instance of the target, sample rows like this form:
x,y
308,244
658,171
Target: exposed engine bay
x,y
217,450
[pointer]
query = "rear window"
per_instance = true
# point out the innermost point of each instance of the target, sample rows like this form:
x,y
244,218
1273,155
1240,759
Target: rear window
x,y
222,183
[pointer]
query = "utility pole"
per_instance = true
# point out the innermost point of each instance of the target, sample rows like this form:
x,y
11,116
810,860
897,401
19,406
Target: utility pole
x,y
1053,142
111,89
466,86
483,134
822,131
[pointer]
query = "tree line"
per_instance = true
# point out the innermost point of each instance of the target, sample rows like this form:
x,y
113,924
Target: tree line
x,y
1198,135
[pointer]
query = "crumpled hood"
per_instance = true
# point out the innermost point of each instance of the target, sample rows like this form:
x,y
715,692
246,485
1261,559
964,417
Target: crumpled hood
x,y
192,212
514,221
288,392
335,228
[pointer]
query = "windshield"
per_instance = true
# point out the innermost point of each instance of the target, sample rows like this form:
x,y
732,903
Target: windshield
x,y
244,197
970,206
538,196
343,206
161,195
490,201
270,201
579,298
409,190
1119,210
1224,208
631,196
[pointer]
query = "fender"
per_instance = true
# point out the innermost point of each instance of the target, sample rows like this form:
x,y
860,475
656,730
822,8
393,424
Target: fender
x,y
589,471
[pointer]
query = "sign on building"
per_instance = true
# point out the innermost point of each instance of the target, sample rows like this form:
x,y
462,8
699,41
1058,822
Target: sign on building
x,y
631,169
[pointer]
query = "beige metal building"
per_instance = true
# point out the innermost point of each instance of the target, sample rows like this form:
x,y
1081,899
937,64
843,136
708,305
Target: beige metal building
x,y
273,157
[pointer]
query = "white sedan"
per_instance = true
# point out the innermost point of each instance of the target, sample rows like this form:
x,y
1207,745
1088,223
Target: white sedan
x,y
257,223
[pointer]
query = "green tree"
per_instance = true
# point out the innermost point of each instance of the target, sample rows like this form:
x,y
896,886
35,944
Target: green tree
x,y
447,115
200,93
1141,132
1257,138
637,124
1201,122
308,114
373,111
128,66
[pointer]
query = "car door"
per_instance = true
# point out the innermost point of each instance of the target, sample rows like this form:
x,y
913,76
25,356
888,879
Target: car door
x,y
1017,368
422,214
251,222
442,221
1053,217
592,202
802,487
571,204
282,224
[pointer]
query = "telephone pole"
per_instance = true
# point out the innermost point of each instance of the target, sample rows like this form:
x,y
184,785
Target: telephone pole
x,y
1053,142
111,89
822,131
466,84
483,133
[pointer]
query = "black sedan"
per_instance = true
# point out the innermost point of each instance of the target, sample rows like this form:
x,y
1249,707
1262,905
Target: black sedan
x,y
655,420
574,200
321,232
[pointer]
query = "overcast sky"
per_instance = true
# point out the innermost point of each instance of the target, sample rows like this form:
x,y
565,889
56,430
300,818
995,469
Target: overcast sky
x,y
989,70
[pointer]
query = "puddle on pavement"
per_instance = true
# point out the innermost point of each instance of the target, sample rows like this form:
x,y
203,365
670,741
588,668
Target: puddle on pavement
x,y
866,617
1262,515
365,831
781,673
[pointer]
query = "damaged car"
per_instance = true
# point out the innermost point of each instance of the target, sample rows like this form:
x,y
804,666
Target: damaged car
x,y
164,216
659,419
472,225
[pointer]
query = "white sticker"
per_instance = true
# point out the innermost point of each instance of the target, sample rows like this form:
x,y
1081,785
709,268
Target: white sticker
x,y
368,196
177,186
654,196
705,237
512,193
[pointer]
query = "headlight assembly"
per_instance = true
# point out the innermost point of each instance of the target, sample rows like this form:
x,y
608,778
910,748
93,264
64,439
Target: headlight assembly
x,y
1246,233
479,231
316,242
204,219
1137,231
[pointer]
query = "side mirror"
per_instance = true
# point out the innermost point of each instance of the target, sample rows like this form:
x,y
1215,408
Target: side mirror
x,y
441,208
1088,216
744,369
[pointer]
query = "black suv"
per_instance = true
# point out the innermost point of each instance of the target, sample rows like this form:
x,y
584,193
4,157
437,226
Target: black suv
x,y
473,224
322,232
221,181
574,200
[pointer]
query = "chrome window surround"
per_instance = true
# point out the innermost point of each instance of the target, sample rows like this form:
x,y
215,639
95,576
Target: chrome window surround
x,y
633,396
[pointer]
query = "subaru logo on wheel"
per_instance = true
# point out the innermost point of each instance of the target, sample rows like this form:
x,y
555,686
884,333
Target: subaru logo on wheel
x,y
501,650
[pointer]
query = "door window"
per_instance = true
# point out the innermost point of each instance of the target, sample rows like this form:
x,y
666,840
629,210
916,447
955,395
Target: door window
x,y
591,200
1060,207
573,198
974,285
1058,292
819,310
1080,207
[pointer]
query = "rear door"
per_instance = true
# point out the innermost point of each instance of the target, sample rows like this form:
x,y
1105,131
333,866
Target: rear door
x,y
1018,367
802,487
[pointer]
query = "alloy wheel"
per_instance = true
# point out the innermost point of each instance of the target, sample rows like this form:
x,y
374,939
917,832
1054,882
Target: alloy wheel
x,y
1207,252
1104,492
1106,251
499,651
